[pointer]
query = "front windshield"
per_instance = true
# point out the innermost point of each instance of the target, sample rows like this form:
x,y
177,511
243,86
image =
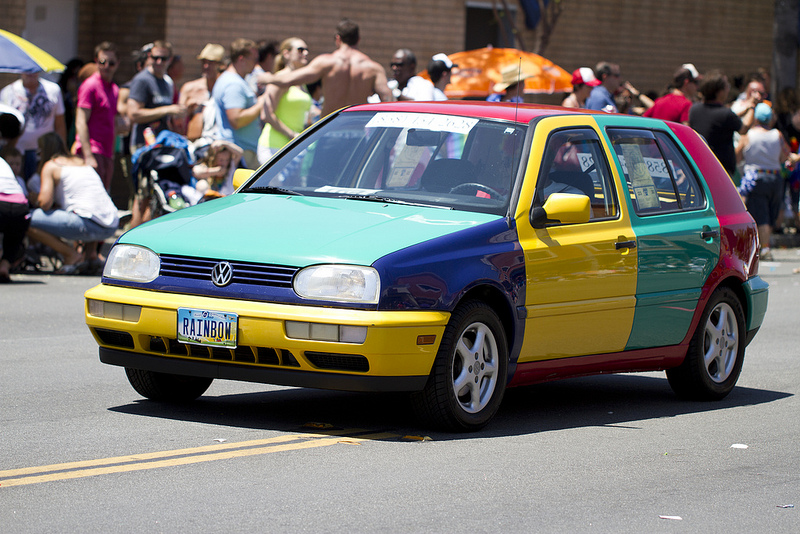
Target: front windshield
x,y
444,161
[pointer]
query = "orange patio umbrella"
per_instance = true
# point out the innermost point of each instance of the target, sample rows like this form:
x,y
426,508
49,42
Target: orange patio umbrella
x,y
478,71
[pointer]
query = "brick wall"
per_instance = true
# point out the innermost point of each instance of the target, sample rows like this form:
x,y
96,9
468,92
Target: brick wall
x,y
652,38
426,27
127,23
648,38
13,21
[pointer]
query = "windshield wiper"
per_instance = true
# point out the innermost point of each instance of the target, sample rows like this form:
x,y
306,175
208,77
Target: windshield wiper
x,y
272,189
375,198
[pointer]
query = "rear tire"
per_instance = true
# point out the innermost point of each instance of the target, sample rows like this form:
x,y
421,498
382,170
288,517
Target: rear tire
x,y
468,379
716,352
165,387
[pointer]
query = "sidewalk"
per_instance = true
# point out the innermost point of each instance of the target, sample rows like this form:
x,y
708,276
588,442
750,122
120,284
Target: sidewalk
x,y
785,254
780,241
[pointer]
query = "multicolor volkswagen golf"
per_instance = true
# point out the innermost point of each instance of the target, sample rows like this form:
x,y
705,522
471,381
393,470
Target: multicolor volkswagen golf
x,y
449,250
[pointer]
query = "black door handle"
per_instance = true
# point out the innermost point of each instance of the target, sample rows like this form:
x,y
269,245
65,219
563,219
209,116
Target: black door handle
x,y
625,244
709,234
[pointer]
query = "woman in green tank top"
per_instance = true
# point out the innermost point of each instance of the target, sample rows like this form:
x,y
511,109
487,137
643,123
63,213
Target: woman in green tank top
x,y
285,109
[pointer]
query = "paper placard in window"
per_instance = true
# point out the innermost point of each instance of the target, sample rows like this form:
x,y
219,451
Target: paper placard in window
x,y
641,180
405,164
655,166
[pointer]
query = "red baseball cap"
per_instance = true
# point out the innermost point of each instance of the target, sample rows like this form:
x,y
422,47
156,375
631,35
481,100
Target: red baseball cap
x,y
584,75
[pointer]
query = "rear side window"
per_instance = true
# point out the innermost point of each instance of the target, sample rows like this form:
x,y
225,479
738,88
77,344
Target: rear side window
x,y
689,192
658,177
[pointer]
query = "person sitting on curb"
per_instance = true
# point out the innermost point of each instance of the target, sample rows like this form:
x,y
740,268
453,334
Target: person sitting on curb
x,y
73,205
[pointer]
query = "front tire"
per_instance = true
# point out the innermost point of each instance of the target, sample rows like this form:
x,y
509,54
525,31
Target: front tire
x,y
165,387
716,352
468,379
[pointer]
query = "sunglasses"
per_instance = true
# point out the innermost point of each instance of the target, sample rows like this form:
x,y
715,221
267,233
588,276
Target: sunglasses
x,y
107,62
160,58
301,49
397,64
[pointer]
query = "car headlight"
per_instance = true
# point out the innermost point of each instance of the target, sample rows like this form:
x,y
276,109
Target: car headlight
x,y
128,262
343,283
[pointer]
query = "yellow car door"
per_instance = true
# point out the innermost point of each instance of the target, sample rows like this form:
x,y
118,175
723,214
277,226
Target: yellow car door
x,y
580,257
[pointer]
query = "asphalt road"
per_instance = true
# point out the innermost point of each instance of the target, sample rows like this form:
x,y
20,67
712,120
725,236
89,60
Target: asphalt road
x,y
80,451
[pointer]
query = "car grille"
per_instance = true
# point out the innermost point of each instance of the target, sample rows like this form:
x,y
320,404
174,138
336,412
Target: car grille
x,y
243,272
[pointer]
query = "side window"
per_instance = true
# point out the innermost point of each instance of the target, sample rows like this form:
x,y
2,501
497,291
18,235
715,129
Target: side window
x,y
574,162
658,177
690,194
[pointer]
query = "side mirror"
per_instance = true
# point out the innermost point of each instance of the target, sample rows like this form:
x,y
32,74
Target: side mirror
x,y
565,208
240,176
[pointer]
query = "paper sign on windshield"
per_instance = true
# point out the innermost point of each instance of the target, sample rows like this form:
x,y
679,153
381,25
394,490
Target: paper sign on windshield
x,y
424,121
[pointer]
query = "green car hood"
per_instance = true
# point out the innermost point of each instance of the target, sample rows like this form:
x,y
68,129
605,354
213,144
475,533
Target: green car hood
x,y
297,230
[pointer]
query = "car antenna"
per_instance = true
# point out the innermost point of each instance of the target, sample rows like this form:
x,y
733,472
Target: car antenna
x,y
516,113
519,75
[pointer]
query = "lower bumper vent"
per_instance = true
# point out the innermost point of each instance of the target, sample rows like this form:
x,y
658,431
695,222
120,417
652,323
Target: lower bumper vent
x,y
338,362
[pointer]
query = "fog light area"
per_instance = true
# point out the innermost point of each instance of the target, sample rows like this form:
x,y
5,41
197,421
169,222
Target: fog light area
x,y
326,332
113,310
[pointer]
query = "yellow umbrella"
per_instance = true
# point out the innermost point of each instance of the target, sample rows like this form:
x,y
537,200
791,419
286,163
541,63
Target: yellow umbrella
x,y
18,55
479,70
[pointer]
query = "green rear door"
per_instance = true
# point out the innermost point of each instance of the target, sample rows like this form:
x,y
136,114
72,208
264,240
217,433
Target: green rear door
x,y
677,233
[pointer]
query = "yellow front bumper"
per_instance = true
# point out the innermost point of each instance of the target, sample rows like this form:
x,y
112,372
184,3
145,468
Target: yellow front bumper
x,y
393,346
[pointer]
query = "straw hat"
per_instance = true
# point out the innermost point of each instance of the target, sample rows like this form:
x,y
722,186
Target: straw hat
x,y
212,52
510,74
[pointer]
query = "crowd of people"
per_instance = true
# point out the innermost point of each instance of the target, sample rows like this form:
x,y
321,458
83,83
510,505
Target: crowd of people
x,y
59,141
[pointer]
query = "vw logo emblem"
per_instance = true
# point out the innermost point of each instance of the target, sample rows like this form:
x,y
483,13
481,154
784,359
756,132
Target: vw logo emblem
x,y
221,274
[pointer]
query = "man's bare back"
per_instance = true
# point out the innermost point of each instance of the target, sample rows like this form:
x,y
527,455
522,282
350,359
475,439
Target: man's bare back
x,y
348,77
352,78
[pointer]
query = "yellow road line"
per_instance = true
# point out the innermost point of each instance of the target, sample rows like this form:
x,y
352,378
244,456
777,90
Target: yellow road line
x,y
155,460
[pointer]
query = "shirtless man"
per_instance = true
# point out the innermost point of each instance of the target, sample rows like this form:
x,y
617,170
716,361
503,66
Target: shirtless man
x,y
348,75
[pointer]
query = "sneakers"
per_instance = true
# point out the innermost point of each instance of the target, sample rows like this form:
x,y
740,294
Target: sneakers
x,y
766,254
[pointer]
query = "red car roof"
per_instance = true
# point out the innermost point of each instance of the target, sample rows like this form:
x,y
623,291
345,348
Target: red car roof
x,y
474,108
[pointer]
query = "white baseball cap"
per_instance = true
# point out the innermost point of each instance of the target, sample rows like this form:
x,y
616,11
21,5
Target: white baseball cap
x,y
444,59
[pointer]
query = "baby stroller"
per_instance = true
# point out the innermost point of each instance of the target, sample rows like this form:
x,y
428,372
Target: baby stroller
x,y
166,166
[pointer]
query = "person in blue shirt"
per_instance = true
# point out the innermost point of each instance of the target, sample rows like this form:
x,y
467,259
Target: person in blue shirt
x,y
602,97
239,107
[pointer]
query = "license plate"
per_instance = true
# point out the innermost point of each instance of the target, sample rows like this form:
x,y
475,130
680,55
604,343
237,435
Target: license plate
x,y
206,327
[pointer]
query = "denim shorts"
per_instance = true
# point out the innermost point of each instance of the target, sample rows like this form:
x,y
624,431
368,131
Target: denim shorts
x,y
68,225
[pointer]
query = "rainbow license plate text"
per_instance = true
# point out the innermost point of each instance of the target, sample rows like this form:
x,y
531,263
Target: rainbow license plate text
x,y
206,327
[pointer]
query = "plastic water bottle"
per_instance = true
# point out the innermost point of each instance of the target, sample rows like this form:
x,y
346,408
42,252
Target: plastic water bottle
x,y
175,200
149,136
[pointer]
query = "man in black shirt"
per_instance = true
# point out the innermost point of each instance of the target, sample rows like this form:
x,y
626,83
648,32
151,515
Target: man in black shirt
x,y
716,122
